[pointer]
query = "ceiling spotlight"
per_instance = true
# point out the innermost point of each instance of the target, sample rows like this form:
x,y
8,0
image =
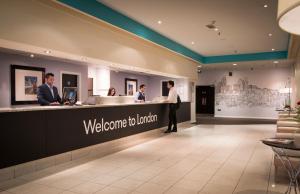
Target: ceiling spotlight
x,y
159,22
47,52
276,62
216,29
31,55
192,42
211,25
270,34
234,64
265,6
273,49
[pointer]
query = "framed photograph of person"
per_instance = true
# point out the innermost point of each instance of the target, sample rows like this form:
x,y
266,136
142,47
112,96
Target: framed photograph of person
x,y
24,83
130,86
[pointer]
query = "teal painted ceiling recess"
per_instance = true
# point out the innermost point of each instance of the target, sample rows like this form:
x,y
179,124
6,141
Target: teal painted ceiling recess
x,y
107,14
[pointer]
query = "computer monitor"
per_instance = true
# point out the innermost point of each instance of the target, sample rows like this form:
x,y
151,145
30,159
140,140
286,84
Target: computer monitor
x,y
70,94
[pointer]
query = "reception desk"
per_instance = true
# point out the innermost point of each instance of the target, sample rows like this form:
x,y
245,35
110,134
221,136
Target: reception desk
x,y
32,133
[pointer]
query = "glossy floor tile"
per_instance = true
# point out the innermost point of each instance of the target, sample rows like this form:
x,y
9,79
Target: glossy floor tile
x,y
204,159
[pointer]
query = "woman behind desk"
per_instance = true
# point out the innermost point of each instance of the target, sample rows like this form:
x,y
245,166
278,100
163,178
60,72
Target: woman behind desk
x,y
111,92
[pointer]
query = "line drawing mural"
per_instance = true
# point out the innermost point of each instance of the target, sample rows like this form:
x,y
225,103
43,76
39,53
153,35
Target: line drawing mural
x,y
244,94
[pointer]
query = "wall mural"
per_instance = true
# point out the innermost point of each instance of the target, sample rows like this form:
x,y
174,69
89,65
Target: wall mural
x,y
244,94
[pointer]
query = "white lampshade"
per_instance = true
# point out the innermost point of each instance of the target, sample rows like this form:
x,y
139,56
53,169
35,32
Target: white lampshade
x,y
289,16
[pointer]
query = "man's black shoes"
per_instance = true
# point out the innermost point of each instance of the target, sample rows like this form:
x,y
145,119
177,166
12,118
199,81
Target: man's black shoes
x,y
169,131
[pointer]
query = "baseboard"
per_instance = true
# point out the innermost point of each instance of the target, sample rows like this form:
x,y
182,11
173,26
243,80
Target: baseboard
x,y
242,117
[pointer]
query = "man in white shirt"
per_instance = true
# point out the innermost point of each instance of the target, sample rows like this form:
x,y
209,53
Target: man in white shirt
x,y
172,99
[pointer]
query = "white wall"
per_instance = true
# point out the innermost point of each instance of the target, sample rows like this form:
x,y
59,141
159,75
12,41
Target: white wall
x,y
56,67
101,80
297,78
182,86
104,79
117,80
153,84
255,103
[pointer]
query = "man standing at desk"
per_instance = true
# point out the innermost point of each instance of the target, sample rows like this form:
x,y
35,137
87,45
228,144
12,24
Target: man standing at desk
x,y
48,93
140,95
172,99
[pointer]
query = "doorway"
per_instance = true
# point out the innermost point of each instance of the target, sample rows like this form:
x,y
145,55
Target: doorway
x,y
205,100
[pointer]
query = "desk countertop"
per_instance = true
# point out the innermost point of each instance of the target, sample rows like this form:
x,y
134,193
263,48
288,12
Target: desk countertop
x,y
39,108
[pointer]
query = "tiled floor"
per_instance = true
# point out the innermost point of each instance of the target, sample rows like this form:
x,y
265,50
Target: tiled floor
x,y
205,159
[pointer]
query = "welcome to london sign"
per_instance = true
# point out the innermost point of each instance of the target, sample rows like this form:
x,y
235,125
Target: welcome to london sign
x,y
31,135
106,126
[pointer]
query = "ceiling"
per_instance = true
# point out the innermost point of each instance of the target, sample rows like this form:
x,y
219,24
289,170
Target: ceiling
x,y
267,64
244,25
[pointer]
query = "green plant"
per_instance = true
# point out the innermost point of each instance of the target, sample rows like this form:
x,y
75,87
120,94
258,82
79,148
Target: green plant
x,y
298,111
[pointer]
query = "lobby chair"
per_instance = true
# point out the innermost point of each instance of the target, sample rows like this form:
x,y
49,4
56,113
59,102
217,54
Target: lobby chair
x,y
294,155
287,123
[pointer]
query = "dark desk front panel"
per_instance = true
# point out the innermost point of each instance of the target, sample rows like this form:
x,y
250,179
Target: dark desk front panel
x,y
31,135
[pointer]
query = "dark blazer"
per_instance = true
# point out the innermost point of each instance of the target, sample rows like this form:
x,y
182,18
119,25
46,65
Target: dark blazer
x,y
45,97
141,96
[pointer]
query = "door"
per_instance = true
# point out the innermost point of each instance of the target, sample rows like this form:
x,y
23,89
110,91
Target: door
x,y
205,99
90,86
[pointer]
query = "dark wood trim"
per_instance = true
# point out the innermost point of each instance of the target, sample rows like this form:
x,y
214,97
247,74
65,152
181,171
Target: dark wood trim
x,y
129,79
13,69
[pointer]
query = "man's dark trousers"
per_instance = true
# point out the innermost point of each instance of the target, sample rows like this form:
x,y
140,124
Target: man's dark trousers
x,y
172,117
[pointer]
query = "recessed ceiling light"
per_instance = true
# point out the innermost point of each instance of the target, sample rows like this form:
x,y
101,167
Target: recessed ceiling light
x,y
234,64
276,62
273,49
159,22
270,34
216,29
31,55
265,6
47,52
192,42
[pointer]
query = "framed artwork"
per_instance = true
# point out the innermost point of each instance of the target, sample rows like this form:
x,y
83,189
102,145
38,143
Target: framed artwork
x,y
24,84
130,86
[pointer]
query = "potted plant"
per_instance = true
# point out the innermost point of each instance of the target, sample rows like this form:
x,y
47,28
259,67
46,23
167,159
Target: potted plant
x,y
298,110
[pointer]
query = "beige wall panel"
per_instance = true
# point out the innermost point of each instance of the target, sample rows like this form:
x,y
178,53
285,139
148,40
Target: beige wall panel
x,y
48,25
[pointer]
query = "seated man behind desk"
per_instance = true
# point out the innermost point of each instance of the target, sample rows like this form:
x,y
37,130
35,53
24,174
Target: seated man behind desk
x,y
48,93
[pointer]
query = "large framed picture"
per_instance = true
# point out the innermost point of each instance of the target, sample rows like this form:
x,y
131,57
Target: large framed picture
x,y
24,84
130,86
